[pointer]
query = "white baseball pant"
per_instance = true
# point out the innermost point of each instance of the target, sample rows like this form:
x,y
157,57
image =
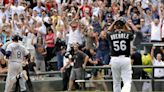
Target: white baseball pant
x,y
121,68
14,68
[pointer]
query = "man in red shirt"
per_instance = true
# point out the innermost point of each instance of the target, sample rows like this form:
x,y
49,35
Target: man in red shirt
x,y
86,9
51,4
8,1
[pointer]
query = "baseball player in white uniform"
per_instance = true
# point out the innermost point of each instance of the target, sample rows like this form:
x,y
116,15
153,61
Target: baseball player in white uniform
x,y
120,57
15,53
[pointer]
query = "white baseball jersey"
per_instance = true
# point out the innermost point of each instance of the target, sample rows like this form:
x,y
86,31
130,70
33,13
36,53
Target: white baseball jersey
x,y
18,52
9,42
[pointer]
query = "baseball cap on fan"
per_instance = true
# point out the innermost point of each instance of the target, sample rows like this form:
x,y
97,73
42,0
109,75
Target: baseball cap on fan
x,y
69,14
53,10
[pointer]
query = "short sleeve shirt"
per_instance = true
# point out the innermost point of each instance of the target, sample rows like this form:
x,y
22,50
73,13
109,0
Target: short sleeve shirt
x,y
79,59
120,43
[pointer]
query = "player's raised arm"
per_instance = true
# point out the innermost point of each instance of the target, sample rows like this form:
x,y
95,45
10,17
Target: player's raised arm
x,y
111,28
130,25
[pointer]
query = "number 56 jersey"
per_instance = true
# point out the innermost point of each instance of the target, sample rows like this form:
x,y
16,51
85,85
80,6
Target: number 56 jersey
x,y
120,43
18,52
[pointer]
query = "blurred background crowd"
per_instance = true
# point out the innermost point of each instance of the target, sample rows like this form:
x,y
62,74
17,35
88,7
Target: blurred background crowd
x,y
48,28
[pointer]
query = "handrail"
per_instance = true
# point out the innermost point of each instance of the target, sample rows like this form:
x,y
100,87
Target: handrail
x,y
89,67
104,67
152,43
110,80
40,73
134,66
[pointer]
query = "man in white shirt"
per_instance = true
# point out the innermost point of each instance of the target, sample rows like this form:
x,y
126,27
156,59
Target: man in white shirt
x,y
41,29
39,7
74,35
3,21
96,9
19,8
45,18
156,30
158,72
2,12
35,16
13,9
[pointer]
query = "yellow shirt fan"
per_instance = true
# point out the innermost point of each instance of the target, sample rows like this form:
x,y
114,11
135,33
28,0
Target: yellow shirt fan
x,y
146,60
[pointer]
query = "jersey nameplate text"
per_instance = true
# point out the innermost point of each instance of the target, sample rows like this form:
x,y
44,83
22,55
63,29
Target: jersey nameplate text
x,y
119,36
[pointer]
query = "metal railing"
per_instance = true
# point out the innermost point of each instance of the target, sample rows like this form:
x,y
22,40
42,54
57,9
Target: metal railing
x,y
40,73
104,67
153,80
152,43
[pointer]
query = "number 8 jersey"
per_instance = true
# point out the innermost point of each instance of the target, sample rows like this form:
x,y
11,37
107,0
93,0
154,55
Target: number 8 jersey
x,y
120,43
18,52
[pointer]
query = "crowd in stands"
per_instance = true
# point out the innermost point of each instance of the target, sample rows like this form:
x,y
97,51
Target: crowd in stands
x,y
48,28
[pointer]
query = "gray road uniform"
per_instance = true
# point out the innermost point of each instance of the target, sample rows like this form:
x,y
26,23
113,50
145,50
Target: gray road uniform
x,y
17,55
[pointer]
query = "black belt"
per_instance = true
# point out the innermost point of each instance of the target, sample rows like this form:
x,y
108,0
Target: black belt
x,y
120,55
159,77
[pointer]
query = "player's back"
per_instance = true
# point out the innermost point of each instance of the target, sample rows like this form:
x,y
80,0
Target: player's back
x,y
120,43
17,52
